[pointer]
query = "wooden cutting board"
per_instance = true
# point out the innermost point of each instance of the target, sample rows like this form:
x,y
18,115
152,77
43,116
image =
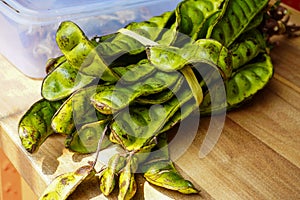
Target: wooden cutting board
x,y
256,157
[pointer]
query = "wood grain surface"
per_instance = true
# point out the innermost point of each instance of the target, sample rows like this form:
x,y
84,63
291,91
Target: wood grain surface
x,y
256,157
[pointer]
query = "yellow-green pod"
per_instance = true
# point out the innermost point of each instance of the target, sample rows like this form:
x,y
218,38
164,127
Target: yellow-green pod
x,y
135,72
213,52
107,181
85,140
77,111
62,81
81,53
167,58
161,97
52,63
134,128
64,185
108,178
164,174
116,97
127,183
62,121
127,44
35,125
159,170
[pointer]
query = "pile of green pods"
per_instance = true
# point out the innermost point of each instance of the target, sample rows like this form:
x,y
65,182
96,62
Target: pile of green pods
x,y
130,87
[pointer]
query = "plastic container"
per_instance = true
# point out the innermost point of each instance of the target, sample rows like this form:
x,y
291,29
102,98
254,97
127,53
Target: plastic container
x,y
28,27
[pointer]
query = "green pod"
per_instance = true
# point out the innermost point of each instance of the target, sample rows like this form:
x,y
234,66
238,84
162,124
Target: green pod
x,y
77,110
192,15
98,39
62,121
210,23
117,97
85,140
136,127
150,29
127,44
161,97
168,58
140,156
35,125
108,178
81,53
244,83
237,17
247,47
185,110
135,72
156,150
119,45
157,98
217,95
107,181
127,183
132,129
159,170
166,29
164,174
215,54
248,80
164,20
170,35
63,81
65,184
52,63
256,22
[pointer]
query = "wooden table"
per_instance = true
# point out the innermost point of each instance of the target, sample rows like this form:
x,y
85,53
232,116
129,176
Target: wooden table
x,y
256,157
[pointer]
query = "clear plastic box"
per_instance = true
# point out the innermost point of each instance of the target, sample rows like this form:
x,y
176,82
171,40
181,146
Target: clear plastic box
x,y
28,27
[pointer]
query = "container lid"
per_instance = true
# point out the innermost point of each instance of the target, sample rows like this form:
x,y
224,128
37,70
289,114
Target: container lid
x,y
43,12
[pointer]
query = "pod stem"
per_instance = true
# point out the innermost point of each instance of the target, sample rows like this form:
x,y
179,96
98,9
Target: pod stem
x,y
99,146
